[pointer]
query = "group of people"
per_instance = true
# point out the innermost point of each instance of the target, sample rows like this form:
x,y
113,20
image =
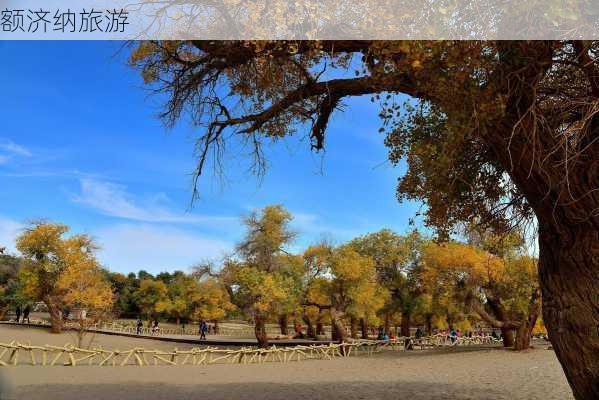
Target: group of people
x,y
155,329
25,312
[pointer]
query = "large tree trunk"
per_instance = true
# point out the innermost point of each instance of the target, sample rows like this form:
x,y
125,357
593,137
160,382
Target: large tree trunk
x,y
339,331
55,316
557,172
498,320
4,311
354,327
524,331
364,328
260,330
319,328
405,324
283,320
310,332
319,324
387,323
429,324
507,334
569,273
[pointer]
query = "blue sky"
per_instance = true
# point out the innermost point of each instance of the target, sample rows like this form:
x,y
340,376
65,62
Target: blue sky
x,y
80,143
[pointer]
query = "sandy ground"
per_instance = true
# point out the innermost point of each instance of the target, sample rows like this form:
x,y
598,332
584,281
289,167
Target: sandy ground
x,y
465,373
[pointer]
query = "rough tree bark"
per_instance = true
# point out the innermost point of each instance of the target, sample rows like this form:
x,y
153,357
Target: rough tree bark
x,y
569,272
524,331
4,311
498,320
339,330
55,316
364,328
507,334
429,324
283,321
387,326
319,327
562,190
260,330
354,327
310,332
405,324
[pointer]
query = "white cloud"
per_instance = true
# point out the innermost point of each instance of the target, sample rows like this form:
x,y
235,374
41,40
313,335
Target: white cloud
x,y
4,159
9,230
313,225
130,247
113,200
14,148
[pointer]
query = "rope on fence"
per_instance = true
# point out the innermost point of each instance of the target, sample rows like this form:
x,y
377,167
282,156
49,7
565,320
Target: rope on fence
x,y
69,355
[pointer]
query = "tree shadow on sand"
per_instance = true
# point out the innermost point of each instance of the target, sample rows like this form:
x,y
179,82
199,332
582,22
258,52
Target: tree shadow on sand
x,y
266,391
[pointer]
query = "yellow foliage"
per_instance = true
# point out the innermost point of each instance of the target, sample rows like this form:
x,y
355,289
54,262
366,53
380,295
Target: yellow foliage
x,y
211,301
62,270
151,295
263,291
85,287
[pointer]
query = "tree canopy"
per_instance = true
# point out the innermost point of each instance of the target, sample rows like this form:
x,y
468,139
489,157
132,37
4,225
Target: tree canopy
x,y
61,271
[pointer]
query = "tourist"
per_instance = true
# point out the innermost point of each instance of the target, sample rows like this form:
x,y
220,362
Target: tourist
x,y
155,328
18,312
138,325
26,312
453,336
203,329
298,331
419,333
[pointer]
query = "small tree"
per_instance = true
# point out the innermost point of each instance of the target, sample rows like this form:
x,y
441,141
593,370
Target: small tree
x,y
210,301
177,302
262,277
48,254
396,261
150,296
260,293
85,288
346,285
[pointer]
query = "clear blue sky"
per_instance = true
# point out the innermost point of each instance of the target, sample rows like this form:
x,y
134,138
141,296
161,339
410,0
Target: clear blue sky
x,y
80,143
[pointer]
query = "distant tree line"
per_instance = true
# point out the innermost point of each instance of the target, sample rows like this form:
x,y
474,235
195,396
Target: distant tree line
x,y
379,280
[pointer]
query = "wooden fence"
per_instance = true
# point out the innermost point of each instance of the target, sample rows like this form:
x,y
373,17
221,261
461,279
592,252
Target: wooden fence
x,y
15,353
223,330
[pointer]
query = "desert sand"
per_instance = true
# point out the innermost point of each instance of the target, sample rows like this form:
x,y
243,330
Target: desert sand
x,y
463,373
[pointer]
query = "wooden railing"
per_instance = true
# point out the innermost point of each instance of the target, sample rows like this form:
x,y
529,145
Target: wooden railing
x,y
193,330
15,353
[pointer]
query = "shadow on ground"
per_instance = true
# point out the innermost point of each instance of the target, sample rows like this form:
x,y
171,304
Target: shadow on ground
x,y
265,391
